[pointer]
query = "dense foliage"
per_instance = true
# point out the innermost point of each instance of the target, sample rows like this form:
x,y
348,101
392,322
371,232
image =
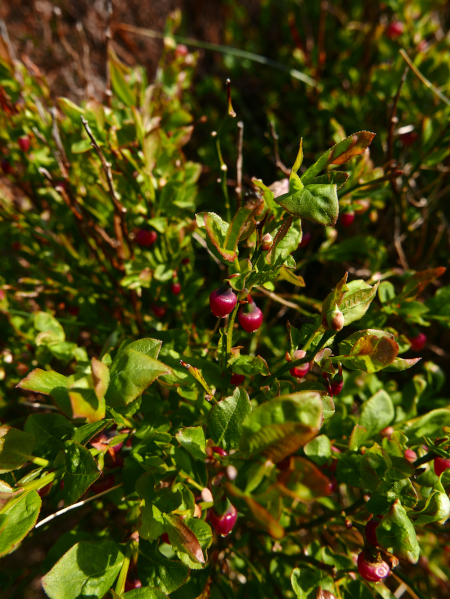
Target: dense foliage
x,y
212,386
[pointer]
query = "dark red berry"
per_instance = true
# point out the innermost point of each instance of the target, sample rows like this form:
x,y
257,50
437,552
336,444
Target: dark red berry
x,y
219,450
146,238
409,138
337,384
284,464
132,584
372,571
371,531
418,342
45,490
250,317
223,523
73,310
411,455
222,301
347,219
306,238
440,465
394,30
175,288
158,311
165,538
302,370
185,261
237,379
7,168
24,143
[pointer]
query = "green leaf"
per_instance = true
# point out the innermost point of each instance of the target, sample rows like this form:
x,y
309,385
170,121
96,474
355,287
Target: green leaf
x,y
133,370
81,472
316,202
396,534
88,431
356,301
225,419
84,399
279,427
347,148
318,450
305,580
193,440
20,519
100,377
157,571
387,492
338,178
86,571
303,481
50,431
15,448
437,509
182,538
400,364
370,350
377,413
334,297
357,438
249,365
356,589
145,593
119,84
46,323
429,425
49,383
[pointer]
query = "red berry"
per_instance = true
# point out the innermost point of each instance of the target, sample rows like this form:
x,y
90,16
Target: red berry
x,y
302,370
181,50
409,138
223,523
158,311
24,143
146,238
337,384
387,432
222,301
284,464
185,261
45,490
371,531
251,319
237,379
411,455
372,571
347,219
165,538
306,238
418,342
175,288
73,310
440,465
219,450
132,584
394,30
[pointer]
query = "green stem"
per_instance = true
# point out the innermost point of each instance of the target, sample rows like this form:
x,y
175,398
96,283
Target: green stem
x,y
38,461
120,585
230,331
32,486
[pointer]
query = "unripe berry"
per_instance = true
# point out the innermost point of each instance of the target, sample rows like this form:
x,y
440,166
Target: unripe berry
x,y
371,531
347,219
24,143
441,465
219,450
237,379
394,30
181,50
232,472
411,455
223,523
372,571
387,432
222,301
337,384
158,311
335,319
175,288
266,242
306,238
146,238
418,342
303,369
250,317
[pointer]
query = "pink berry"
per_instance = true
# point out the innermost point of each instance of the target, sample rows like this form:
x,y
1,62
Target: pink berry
x,y
418,342
158,311
219,450
372,571
223,523
175,288
306,238
440,465
411,455
222,301
303,369
24,143
394,30
347,219
181,50
146,238
371,531
237,379
250,317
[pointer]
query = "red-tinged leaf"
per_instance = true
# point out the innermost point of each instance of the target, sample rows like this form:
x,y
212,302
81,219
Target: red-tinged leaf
x,y
49,383
369,350
100,377
416,284
338,178
303,481
182,538
400,364
347,148
255,511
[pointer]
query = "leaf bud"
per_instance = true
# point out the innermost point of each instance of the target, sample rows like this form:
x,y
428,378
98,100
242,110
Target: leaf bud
x,y
335,319
266,242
